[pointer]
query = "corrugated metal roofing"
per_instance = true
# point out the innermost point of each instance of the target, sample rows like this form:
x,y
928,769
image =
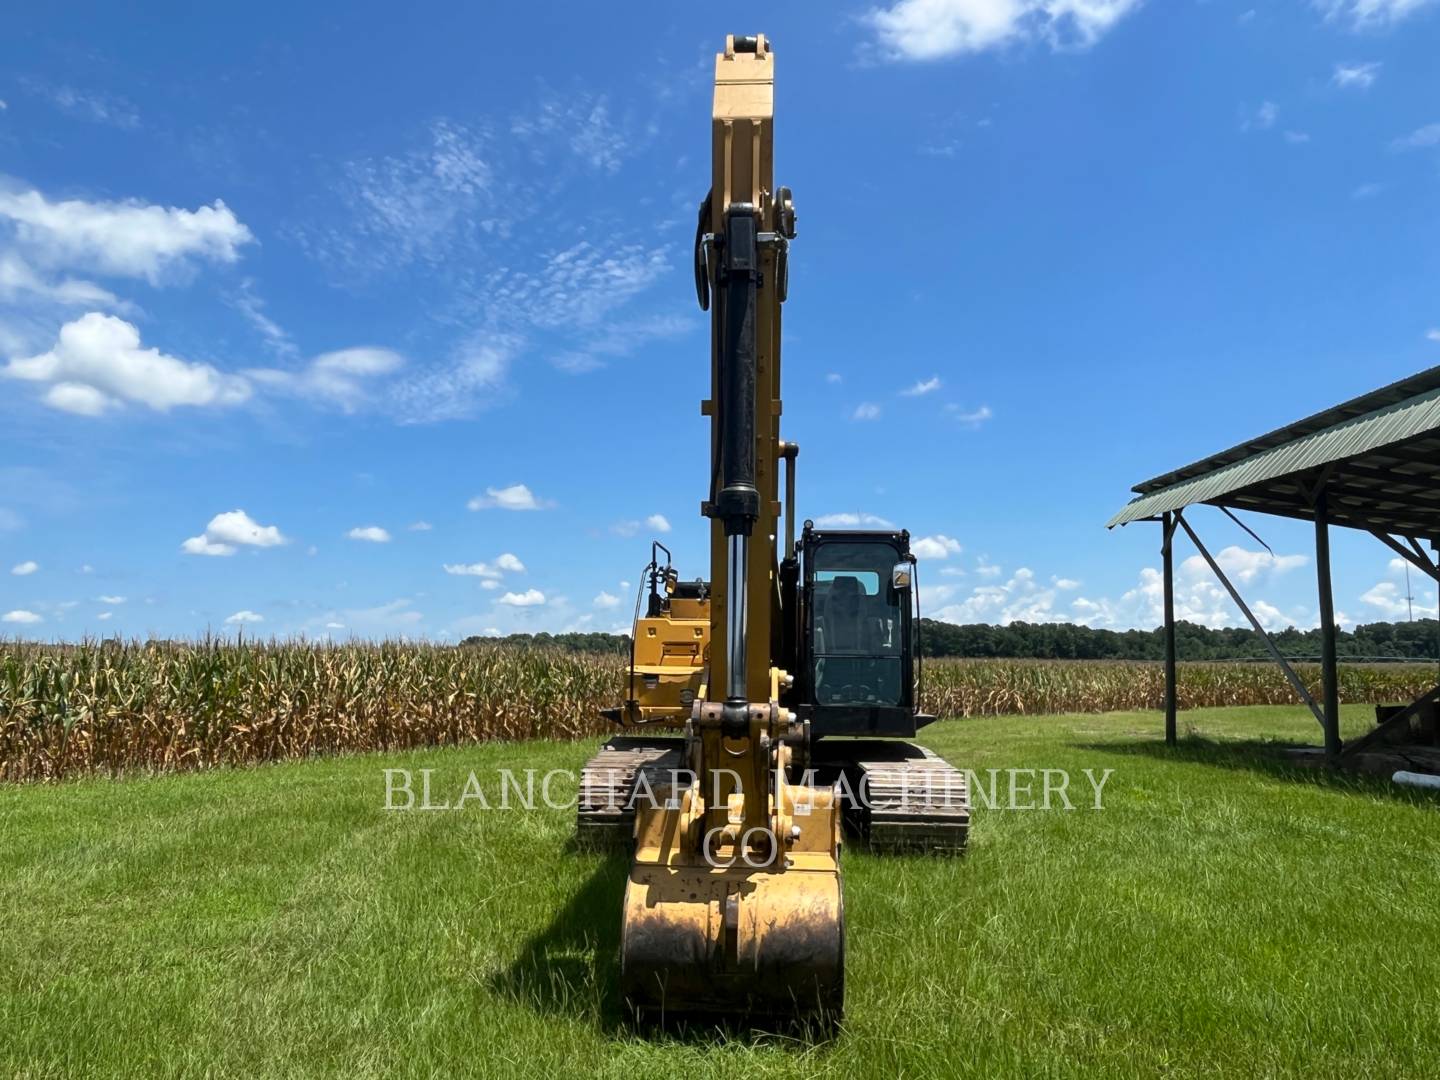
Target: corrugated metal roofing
x,y
1270,467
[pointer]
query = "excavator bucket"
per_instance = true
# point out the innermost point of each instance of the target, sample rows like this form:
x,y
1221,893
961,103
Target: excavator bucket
x,y
713,937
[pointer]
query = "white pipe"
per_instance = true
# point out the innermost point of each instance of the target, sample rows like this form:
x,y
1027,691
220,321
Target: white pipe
x,y
1417,779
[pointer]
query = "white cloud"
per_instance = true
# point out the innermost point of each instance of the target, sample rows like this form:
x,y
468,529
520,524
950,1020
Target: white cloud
x,y
413,206
1432,335
620,338
578,286
231,530
859,520
21,616
606,600
248,302
1419,139
1199,598
128,239
493,571
1297,138
373,534
463,201
110,599
1360,76
92,106
658,522
97,363
923,387
987,569
478,569
1261,118
419,526
938,546
834,378
20,282
972,417
1243,565
102,616
866,410
514,497
1019,599
469,379
245,617
339,378
490,583
1065,584
394,619
29,566
1369,14
529,598
582,123
200,545
1389,600
934,29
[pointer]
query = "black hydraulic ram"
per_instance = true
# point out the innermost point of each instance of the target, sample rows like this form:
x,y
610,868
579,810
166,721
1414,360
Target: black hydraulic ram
x,y
737,503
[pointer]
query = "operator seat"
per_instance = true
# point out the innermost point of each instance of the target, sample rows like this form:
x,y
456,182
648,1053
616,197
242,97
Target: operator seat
x,y
848,628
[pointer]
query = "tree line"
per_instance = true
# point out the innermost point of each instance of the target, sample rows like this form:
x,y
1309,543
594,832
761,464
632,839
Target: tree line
x,y
1067,641
1416,640
578,643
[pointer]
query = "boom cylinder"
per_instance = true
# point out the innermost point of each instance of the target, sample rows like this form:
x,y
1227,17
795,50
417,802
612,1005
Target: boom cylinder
x,y
737,503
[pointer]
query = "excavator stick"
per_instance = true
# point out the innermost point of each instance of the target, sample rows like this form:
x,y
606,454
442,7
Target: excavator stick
x,y
733,904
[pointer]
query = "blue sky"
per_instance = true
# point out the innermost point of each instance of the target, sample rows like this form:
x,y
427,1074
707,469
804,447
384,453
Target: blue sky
x,y
380,321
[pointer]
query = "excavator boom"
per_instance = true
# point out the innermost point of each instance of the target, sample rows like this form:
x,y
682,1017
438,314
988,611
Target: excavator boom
x,y
734,901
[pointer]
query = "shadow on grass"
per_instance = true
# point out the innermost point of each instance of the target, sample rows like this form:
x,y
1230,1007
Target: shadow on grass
x,y
572,968
1266,757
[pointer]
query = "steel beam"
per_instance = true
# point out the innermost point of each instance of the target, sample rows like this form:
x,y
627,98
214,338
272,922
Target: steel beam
x,y
1411,554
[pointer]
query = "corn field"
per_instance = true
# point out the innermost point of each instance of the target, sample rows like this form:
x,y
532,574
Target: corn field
x,y
160,706
1038,687
155,706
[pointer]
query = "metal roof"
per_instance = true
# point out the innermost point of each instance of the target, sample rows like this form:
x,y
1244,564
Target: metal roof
x,y
1379,455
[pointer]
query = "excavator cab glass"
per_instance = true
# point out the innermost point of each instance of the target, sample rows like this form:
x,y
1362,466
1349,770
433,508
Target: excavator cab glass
x,y
857,639
858,625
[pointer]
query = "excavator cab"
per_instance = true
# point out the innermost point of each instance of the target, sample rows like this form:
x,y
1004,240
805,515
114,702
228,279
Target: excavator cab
x,y
858,635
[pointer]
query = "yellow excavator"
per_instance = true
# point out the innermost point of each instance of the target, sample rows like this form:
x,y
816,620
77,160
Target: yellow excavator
x,y
784,679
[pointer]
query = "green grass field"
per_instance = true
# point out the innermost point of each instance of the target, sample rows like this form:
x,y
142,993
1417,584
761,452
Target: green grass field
x,y
1223,912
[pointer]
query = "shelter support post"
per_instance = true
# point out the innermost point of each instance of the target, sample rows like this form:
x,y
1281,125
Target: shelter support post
x,y
1329,667
1167,527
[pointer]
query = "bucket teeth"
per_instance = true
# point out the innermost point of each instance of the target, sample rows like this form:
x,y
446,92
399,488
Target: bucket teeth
x,y
758,944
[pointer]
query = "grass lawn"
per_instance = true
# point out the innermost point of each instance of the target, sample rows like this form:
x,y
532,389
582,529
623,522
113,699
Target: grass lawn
x,y
1222,913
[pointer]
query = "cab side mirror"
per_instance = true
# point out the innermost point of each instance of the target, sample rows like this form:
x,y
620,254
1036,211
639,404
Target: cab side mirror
x,y
900,576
